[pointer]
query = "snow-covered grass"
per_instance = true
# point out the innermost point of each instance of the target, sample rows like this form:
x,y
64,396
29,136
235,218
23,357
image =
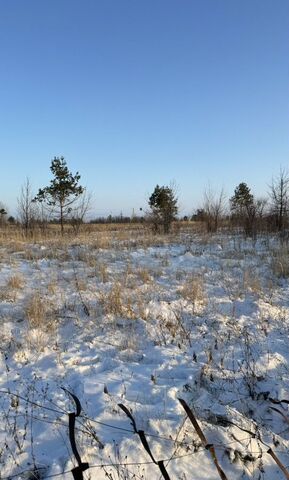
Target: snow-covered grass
x,y
121,316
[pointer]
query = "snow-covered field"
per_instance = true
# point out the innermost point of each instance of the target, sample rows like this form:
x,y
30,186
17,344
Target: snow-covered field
x,y
143,323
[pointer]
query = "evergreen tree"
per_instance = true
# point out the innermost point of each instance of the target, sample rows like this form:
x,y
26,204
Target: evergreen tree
x,y
63,190
163,204
243,207
242,199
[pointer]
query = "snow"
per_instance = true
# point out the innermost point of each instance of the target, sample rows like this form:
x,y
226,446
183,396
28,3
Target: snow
x,y
201,318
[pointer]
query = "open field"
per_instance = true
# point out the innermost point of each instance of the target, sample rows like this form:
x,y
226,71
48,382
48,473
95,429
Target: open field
x,y
118,315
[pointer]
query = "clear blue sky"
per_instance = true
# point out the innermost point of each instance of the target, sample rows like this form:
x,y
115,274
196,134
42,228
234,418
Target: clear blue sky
x,y
138,92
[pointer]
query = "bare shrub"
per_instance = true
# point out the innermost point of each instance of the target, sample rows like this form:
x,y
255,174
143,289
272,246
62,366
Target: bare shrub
x,y
214,208
27,210
279,193
177,327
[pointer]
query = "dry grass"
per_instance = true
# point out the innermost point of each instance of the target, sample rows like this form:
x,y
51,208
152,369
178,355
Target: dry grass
x,y
280,264
82,285
112,301
16,282
98,236
251,281
37,312
102,272
141,308
176,327
116,302
40,323
52,287
144,275
8,293
193,290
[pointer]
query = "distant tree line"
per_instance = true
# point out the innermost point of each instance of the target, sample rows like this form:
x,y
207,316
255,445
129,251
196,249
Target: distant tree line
x,y
117,219
247,212
65,201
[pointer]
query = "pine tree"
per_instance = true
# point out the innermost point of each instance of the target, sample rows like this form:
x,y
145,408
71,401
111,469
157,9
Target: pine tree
x,y
243,207
63,190
242,199
163,204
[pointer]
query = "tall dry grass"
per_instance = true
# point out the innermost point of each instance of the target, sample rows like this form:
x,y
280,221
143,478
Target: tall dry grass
x,y
132,235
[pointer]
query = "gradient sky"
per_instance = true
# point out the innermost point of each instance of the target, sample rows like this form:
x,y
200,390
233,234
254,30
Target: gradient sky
x,y
138,92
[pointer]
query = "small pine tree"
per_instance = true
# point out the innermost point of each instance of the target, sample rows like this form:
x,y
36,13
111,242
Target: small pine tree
x,y
163,204
242,198
243,207
63,190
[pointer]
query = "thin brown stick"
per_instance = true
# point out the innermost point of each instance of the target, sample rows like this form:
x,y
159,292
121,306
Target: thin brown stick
x,y
203,439
280,465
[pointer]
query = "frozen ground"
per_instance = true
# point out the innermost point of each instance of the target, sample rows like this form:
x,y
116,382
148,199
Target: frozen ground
x,y
199,318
